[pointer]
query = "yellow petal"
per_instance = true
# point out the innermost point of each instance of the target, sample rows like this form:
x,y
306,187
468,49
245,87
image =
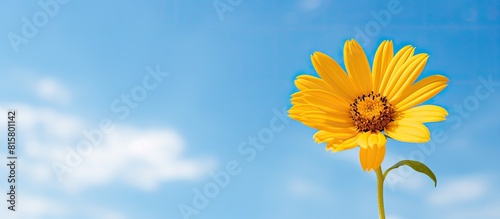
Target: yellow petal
x,y
335,132
323,136
331,72
420,92
296,111
300,108
377,139
295,100
304,82
363,139
357,66
327,119
340,135
396,62
383,57
321,104
372,156
336,137
339,124
371,139
407,74
322,98
423,114
295,116
382,141
340,145
408,131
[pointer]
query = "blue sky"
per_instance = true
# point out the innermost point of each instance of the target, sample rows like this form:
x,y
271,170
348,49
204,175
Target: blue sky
x,y
217,80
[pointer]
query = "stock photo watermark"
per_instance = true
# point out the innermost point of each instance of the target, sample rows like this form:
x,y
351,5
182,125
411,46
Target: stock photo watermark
x,y
224,6
381,19
122,107
248,150
48,9
461,112
11,160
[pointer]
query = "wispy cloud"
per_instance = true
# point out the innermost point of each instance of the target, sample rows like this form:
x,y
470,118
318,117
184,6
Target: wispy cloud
x,y
34,207
41,207
477,122
52,90
303,188
465,189
309,5
102,213
142,158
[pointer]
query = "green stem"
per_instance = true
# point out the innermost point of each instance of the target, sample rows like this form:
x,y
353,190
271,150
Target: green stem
x,y
380,190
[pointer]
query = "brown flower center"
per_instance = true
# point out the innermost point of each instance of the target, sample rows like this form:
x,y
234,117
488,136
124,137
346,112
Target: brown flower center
x,y
371,112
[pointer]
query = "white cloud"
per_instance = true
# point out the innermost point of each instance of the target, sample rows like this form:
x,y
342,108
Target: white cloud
x,y
40,207
309,5
32,207
460,190
142,158
137,157
55,123
101,213
45,120
43,131
349,156
480,121
484,211
50,89
414,183
32,83
303,188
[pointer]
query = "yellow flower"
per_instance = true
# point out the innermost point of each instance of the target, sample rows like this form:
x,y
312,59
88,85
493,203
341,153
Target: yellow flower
x,y
362,107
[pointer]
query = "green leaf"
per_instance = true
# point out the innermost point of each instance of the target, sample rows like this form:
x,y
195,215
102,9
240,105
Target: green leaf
x,y
417,166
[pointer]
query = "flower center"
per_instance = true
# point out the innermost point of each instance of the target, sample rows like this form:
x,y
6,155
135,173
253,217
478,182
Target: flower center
x,y
371,112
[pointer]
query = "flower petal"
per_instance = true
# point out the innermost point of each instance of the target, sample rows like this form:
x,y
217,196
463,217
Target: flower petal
x,y
340,124
383,57
372,156
323,136
322,98
389,76
297,98
331,72
328,119
304,82
407,74
420,92
358,67
408,131
335,137
340,145
363,139
340,133
337,132
424,113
